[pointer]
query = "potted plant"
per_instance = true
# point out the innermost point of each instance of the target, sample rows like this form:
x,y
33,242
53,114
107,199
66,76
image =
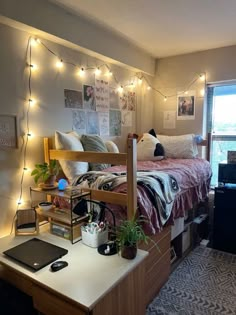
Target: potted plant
x,y
46,172
128,234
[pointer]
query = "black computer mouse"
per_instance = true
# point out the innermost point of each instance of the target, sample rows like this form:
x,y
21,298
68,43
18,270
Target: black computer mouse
x,y
57,265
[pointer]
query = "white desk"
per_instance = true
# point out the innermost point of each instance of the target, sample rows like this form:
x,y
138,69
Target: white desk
x,y
91,284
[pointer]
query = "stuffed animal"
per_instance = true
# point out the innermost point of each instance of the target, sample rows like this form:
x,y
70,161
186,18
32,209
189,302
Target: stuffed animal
x,y
149,147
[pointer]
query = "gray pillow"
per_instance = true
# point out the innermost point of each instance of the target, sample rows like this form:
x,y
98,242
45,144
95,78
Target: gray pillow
x,y
94,143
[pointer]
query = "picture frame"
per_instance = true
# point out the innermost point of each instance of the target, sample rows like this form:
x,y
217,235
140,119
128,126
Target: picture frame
x,y
8,131
186,106
26,222
73,99
231,157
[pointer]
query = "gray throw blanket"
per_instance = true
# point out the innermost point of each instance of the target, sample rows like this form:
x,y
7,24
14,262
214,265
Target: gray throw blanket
x,y
161,187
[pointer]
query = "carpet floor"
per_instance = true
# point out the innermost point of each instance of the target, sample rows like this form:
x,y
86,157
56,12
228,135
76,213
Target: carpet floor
x,y
203,284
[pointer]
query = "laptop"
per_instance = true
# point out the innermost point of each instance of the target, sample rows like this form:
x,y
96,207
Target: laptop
x,y
35,253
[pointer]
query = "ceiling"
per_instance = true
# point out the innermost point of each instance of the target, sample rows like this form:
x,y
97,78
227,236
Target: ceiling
x,y
163,27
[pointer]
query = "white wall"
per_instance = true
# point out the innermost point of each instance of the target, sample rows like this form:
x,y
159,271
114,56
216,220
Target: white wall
x,y
52,19
50,113
175,73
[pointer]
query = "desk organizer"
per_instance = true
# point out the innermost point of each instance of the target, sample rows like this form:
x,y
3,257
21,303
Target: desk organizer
x,y
66,231
95,239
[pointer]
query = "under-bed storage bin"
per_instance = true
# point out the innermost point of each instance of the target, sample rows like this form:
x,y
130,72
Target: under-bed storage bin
x,y
177,228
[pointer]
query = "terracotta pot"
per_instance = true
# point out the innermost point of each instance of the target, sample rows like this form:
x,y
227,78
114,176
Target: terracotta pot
x,y
129,252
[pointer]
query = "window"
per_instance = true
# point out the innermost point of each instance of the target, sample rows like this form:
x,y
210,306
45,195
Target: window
x,y
222,104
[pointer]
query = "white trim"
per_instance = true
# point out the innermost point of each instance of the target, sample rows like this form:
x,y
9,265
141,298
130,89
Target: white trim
x,y
221,83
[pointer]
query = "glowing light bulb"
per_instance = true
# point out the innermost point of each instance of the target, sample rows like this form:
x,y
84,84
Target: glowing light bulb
x,y
97,71
202,77
165,99
120,89
132,84
19,202
81,72
31,102
33,67
185,92
26,169
149,88
109,73
140,81
202,92
59,64
30,135
34,42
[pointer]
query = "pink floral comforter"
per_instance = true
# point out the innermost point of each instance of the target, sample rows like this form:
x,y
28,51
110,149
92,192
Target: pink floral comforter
x,y
193,177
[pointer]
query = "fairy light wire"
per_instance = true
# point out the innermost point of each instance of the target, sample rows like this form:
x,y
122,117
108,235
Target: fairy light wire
x,y
25,143
140,76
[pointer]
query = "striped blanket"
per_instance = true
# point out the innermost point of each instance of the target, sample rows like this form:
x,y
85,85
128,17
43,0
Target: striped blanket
x,y
161,187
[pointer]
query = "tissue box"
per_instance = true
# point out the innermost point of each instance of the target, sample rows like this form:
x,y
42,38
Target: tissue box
x,y
95,239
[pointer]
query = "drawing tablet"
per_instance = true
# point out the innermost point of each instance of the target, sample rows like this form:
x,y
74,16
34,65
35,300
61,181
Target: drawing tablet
x,y
35,253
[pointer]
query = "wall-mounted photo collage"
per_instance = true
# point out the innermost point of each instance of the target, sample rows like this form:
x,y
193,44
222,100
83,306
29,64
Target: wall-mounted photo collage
x,y
100,109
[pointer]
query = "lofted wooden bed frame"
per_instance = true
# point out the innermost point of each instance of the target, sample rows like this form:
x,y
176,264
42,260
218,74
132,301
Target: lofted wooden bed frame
x,y
129,159
157,267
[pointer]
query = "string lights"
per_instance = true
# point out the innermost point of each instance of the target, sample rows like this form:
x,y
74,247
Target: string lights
x,y
28,134
59,64
137,79
98,71
81,72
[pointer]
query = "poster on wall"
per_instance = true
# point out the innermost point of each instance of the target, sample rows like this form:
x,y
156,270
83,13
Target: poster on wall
x,y
73,99
102,95
115,122
89,101
186,106
103,123
114,98
169,118
92,123
8,131
128,101
131,101
126,118
124,101
79,121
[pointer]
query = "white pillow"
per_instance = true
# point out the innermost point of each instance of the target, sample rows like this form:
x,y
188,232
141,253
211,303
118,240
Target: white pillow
x,y
111,146
70,141
179,147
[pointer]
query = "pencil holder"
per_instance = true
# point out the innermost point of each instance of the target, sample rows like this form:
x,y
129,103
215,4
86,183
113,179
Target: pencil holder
x,y
95,239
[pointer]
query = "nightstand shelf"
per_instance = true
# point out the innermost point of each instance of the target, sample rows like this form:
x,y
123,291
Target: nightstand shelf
x,y
61,215
64,222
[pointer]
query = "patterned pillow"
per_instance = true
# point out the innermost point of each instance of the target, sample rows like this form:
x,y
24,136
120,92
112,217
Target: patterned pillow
x,y
70,141
94,143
